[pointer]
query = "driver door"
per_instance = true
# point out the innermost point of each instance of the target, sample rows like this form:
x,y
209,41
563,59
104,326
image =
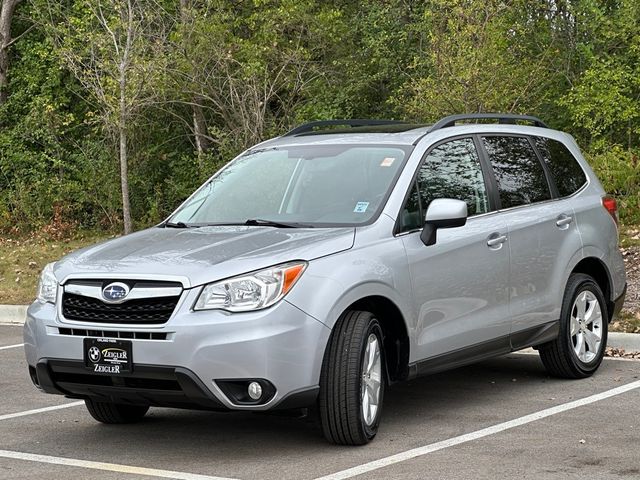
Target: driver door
x,y
460,284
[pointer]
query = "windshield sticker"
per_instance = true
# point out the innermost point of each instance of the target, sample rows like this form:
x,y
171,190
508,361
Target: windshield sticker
x,y
361,207
387,162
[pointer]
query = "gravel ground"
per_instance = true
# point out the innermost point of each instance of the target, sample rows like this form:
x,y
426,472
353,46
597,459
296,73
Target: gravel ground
x,y
629,320
632,264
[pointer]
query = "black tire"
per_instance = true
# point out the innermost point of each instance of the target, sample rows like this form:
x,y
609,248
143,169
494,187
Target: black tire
x,y
115,413
340,398
559,356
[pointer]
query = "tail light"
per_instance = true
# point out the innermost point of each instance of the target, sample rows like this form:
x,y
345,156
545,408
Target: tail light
x,y
611,206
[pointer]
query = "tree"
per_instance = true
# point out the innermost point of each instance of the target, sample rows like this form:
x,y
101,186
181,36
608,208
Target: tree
x,y
199,120
7,10
115,49
248,65
477,57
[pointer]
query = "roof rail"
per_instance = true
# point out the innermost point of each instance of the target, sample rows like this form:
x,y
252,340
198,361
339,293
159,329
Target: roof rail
x,y
504,118
311,126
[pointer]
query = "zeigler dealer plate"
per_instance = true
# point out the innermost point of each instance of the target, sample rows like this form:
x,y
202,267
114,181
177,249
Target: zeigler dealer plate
x,y
107,355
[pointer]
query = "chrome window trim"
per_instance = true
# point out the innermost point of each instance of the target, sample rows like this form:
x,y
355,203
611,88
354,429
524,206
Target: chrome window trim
x,y
473,217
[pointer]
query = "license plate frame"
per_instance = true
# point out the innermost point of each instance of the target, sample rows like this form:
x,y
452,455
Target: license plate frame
x,y
108,356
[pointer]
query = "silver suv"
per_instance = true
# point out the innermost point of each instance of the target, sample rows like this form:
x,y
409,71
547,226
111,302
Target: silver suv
x,y
320,267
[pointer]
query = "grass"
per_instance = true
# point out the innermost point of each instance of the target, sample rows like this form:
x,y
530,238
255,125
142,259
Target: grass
x,y
627,322
22,260
629,236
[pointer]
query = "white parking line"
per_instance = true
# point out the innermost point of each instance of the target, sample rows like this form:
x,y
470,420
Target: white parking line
x,y
110,467
12,346
40,410
434,447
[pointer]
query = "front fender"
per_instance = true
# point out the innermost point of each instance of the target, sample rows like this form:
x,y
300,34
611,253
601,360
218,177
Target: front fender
x,y
331,284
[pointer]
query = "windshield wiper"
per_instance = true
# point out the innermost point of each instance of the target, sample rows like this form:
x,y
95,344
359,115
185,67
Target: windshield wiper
x,y
176,225
259,222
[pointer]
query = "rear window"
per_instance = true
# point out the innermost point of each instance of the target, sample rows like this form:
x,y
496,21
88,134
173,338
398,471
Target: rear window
x,y
565,169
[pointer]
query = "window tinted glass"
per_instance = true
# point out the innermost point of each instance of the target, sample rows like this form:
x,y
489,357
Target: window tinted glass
x,y
521,179
452,170
410,217
564,168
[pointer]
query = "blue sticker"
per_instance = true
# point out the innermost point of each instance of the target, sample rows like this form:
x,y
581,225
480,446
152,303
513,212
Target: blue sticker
x,y
361,207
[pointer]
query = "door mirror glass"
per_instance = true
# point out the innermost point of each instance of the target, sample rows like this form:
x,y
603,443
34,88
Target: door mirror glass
x,y
443,213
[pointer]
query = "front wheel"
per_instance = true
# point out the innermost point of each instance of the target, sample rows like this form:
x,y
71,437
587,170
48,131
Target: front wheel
x,y
584,321
115,413
352,380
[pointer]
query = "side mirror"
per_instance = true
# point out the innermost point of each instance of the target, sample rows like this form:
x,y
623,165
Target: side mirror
x,y
442,213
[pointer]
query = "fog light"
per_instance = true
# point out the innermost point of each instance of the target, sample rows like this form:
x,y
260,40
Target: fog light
x,y
255,390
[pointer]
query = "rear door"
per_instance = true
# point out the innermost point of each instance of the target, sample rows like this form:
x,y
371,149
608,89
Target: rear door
x,y
460,284
542,234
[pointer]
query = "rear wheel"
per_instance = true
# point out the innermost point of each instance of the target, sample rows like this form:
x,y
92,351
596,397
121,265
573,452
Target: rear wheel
x,y
584,321
114,413
352,380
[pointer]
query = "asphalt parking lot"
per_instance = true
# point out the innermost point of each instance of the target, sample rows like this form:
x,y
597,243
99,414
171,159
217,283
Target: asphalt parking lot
x,y
503,418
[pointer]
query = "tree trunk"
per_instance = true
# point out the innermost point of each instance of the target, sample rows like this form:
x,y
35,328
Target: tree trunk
x,y
123,122
200,129
124,165
197,112
6,15
124,176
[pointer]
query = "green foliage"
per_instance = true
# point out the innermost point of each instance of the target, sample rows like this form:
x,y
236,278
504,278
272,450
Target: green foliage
x,y
251,69
48,155
476,57
619,171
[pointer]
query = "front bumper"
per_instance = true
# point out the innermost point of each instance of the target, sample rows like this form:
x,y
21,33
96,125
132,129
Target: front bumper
x,y
177,364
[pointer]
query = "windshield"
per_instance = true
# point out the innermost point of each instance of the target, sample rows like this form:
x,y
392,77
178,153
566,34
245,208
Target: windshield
x,y
298,186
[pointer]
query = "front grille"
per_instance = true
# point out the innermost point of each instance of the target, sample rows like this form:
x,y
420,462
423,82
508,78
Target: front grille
x,y
145,385
65,379
81,332
152,310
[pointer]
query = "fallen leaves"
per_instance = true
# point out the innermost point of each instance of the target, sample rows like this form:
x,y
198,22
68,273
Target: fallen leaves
x,y
621,353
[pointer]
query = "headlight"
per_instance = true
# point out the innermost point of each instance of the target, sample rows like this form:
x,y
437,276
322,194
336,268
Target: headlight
x,y
252,291
48,285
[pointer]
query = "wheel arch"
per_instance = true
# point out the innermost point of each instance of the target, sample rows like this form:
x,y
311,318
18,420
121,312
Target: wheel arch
x,y
597,269
394,329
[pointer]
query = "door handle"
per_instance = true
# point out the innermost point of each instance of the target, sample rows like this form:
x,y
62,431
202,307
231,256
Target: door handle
x,y
563,220
496,239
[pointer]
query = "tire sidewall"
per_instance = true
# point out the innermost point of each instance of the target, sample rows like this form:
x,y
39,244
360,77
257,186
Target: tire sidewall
x,y
371,430
586,284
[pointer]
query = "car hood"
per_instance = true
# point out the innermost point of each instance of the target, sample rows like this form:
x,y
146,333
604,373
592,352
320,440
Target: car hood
x,y
196,256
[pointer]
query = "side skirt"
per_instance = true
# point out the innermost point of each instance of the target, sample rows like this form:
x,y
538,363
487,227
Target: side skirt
x,y
481,351
534,336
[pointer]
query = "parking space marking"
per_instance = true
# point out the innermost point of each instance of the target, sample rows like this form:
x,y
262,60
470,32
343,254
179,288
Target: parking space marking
x,y
110,467
40,410
451,442
12,346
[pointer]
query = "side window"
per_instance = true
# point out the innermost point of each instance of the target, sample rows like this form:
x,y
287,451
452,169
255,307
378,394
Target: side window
x,y
519,173
452,170
410,216
565,170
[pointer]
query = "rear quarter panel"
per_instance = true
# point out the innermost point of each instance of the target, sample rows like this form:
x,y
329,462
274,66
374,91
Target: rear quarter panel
x,y
598,231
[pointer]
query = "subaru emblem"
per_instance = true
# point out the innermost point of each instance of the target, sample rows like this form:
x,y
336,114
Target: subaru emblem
x,y
115,292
